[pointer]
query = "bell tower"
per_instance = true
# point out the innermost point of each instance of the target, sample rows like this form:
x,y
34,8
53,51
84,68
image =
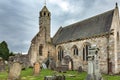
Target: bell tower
x,y
44,23
41,46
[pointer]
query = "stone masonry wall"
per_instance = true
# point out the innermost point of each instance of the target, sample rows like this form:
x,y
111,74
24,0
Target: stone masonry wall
x,y
101,42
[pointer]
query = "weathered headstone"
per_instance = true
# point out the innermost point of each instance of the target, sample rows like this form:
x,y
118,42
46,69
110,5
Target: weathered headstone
x,y
62,68
52,65
2,65
69,65
49,78
15,71
62,77
80,69
67,60
36,68
44,66
93,65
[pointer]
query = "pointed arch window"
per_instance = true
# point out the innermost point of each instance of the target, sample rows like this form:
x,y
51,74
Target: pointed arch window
x,y
60,53
75,50
40,50
85,51
44,13
48,14
40,13
118,36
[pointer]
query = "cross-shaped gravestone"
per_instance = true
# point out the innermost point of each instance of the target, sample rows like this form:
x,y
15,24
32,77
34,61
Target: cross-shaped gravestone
x,y
93,65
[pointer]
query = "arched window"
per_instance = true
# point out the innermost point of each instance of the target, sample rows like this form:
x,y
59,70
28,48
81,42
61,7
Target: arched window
x,y
118,36
75,50
60,53
40,13
85,51
40,49
44,13
48,14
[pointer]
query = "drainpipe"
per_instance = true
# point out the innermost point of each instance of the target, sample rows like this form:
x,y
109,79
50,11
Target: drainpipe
x,y
108,59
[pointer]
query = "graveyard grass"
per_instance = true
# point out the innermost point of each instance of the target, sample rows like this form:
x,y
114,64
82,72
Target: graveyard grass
x,y
70,75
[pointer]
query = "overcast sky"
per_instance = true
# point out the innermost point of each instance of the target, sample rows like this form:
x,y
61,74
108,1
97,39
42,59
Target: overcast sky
x,y
19,18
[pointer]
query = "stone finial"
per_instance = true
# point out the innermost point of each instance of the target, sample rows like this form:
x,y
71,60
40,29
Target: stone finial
x,y
116,5
45,3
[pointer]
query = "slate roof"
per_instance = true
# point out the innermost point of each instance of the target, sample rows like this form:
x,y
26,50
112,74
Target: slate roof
x,y
92,26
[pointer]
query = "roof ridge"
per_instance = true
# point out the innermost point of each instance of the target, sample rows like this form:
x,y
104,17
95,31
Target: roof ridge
x,y
58,31
68,26
95,25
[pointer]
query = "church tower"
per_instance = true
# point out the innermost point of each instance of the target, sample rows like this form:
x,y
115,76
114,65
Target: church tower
x,y
41,45
44,23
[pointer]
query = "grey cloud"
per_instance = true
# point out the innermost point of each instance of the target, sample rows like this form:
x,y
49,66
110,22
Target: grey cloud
x,y
19,18
15,24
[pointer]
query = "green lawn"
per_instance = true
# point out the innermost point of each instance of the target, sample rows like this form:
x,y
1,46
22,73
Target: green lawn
x,y
28,75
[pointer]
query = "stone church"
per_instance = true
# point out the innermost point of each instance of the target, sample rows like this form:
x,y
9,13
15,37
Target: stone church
x,y
73,41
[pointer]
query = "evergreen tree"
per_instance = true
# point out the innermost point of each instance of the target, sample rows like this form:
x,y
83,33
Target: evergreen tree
x,y
4,51
11,54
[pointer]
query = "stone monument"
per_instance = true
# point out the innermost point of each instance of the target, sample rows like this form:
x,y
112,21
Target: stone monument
x,y
15,71
2,65
55,77
80,69
93,64
44,66
36,69
52,64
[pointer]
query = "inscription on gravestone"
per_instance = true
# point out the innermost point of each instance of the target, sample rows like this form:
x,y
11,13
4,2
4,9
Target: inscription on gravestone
x,y
14,72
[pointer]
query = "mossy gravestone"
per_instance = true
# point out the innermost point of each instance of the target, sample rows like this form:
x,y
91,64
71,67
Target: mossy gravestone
x,y
15,71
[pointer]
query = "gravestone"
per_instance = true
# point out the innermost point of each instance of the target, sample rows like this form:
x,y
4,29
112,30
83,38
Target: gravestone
x,y
67,60
15,71
36,69
93,65
2,65
52,65
58,77
62,68
49,78
44,66
80,69
69,65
